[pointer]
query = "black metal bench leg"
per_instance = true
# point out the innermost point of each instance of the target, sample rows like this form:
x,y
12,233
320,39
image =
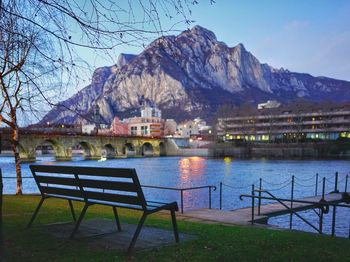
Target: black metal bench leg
x,y
77,224
176,232
72,210
137,232
117,221
36,212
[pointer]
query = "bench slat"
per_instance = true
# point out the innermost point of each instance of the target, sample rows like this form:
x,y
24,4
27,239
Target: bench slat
x,y
133,200
61,191
112,185
88,171
65,181
90,183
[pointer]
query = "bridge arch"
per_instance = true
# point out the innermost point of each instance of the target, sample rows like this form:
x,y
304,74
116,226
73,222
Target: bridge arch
x,y
129,149
44,146
147,149
88,149
109,151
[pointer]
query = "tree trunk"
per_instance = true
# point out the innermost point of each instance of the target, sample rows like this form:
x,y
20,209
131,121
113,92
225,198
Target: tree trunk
x,y
15,151
1,233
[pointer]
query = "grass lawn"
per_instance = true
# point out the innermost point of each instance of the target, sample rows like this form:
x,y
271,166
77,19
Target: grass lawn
x,y
213,243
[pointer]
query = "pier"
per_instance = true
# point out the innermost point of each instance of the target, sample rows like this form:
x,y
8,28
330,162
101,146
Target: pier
x,y
258,213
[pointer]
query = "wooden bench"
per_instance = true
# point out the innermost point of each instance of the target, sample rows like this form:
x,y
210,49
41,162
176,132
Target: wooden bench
x,y
115,187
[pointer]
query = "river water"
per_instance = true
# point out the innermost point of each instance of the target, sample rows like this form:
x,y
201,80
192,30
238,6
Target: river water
x,y
236,175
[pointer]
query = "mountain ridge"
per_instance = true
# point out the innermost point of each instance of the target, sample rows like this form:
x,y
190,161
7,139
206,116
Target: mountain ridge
x,y
192,74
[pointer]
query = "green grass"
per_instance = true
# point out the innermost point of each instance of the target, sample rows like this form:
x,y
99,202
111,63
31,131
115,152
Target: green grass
x,y
213,242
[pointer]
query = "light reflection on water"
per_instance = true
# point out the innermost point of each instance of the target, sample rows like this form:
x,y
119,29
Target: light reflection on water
x,y
184,172
191,167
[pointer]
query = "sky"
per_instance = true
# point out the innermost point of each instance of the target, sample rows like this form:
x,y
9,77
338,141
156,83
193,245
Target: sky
x,y
309,36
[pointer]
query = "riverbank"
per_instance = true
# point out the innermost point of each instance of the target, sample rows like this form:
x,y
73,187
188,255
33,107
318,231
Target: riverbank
x,y
306,150
213,242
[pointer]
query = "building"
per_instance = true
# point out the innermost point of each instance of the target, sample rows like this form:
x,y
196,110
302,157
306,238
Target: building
x,y
145,126
119,127
193,127
150,111
269,104
94,123
288,124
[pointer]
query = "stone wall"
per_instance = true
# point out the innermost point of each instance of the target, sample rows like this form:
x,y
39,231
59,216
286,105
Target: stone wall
x,y
339,150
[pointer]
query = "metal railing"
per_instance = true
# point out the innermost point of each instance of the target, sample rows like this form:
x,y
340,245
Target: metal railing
x,y
322,204
182,190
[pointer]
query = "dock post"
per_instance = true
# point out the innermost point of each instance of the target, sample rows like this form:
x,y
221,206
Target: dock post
x,y
182,201
334,207
346,183
259,200
291,204
316,186
209,197
336,183
253,202
333,220
220,195
321,210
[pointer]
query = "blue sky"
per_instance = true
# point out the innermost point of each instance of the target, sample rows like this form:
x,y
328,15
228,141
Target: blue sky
x,y
311,36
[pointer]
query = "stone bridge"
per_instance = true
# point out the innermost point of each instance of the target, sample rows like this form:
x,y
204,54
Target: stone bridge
x,y
94,147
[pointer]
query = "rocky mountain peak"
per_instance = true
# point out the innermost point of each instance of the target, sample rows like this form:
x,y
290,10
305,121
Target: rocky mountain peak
x,y
201,31
124,59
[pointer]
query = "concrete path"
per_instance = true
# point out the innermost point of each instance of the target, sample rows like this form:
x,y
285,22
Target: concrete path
x,y
102,233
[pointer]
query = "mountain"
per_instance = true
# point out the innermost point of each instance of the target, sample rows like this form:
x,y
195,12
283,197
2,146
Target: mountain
x,y
191,75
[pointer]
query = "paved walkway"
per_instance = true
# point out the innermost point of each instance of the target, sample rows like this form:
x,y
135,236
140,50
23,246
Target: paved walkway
x,y
102,233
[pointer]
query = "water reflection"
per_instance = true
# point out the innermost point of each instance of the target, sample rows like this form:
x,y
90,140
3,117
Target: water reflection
x,y
228,164
191,166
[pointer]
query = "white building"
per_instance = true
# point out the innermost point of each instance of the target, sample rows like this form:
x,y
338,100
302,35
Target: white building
x,y
151,111
88,129
269,104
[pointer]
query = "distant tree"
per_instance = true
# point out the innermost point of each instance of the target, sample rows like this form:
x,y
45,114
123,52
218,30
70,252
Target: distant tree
x,y
223,113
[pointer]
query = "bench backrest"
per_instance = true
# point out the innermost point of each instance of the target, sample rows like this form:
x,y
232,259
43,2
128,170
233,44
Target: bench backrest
x,y
119,186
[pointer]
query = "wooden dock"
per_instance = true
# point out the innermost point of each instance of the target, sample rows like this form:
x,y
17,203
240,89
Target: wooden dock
x,y
243,216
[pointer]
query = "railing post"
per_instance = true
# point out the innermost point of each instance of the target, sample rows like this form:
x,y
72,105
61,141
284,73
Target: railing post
x,y
322,199
182,201
259,200
323,187
336,183
346,183
333,220
220,195
209,197
316,189
291,204
253,203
